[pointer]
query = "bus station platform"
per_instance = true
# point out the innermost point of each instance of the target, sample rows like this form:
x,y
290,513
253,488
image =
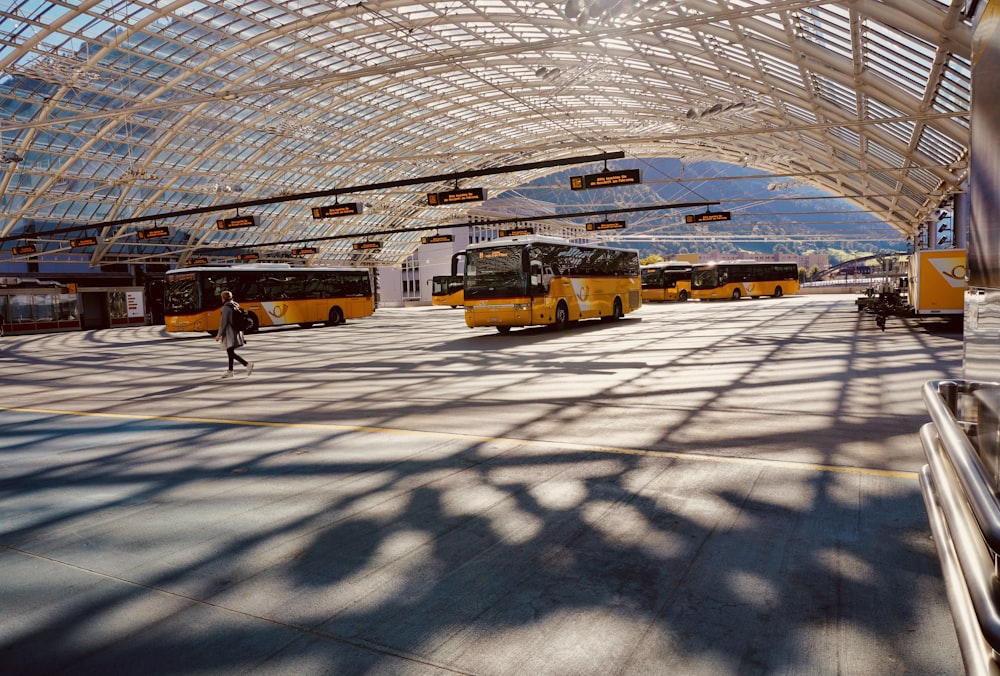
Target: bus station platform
x,y
702,488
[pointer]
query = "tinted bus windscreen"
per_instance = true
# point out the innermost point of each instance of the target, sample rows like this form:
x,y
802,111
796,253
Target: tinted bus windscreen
x,y
447,290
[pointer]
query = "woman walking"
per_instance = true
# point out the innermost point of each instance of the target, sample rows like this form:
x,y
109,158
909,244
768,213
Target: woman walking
x,y
229,337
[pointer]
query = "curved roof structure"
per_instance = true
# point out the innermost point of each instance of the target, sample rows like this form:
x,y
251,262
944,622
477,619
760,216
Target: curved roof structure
x,y
119,118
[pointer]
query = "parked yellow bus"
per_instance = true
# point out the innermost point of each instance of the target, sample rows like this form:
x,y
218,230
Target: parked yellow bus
x,y
447,290
275,294
533,280
667,281
743,278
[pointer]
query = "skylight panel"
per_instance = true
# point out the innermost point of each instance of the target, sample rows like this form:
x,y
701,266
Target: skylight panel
x,y
940,148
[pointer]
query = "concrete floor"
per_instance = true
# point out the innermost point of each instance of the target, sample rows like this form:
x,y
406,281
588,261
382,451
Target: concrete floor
x,y
707,488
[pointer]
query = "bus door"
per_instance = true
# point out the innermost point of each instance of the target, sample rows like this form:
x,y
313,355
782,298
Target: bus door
x,y
538,290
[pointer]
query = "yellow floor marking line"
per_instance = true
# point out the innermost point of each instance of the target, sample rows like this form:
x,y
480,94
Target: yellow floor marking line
x,y
610,450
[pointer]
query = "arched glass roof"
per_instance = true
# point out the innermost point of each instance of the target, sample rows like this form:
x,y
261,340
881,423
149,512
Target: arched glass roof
x,y
116,111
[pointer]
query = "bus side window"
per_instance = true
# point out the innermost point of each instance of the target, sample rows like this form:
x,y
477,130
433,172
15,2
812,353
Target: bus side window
x,y
537,277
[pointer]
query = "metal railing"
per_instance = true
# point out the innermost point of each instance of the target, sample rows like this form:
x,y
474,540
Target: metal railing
x,y
960,493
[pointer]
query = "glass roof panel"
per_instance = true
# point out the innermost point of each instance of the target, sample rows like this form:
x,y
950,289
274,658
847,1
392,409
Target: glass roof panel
x,y
122,109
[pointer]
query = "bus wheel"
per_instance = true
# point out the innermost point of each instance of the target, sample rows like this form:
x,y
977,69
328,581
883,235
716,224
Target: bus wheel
x,y
336,316
254,323
778,293
503,329
682,296
616,313
736,294
562,316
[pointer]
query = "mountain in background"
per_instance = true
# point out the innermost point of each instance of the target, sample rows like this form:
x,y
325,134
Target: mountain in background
x,y
768,213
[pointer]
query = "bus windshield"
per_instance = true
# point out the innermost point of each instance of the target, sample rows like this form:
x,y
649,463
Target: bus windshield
x,y
706,278
181,294
496,272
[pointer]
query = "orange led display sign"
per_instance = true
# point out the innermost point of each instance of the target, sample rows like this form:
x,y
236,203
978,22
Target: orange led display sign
x,y
707,217
456,196
152,233
304,251
334,210
23,249
516,232
237,222
606,225
436,239
83,241
605,179
367,246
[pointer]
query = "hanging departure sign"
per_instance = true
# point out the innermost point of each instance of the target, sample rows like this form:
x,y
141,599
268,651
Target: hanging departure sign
x,y
335,210
83,241
516,232
236,222
153,233
707,217
247,257
606,225
198,261
367,246
456,196
305,251
23,249
437,239
605,179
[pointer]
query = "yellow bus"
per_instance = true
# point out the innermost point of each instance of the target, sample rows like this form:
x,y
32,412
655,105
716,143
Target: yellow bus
x,y
447,290
275,294
743,278
667,281
533,280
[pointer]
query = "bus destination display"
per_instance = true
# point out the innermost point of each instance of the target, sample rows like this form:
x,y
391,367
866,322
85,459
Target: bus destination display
x,y
605,179
236,222
456,196
335,210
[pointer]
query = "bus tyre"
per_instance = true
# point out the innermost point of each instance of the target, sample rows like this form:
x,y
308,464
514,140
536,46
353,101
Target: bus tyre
x,y
336,316
562,316
736,294
616,312
503,330
778,293
682,296
254,323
